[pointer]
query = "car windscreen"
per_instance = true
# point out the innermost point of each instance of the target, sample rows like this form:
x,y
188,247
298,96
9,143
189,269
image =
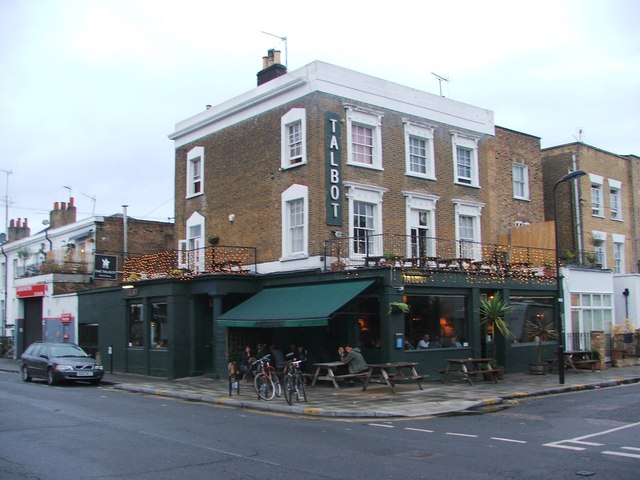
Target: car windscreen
x,y
66,351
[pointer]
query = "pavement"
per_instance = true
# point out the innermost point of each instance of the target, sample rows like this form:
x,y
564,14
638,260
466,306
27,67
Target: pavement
x,y
323,400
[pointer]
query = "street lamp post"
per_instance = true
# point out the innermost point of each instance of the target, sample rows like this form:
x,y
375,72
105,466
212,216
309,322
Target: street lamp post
x,y
560,306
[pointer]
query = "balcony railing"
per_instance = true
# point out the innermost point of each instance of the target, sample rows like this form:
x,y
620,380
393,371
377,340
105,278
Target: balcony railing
x,y
190,263
49,266
406,251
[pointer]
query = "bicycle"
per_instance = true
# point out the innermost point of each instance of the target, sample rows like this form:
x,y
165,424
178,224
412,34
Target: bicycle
x,y
294,383
266,381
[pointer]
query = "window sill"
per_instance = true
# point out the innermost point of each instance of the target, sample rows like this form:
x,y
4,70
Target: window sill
x,y
193,195
424,176
471,185
295,256
293,165
365,165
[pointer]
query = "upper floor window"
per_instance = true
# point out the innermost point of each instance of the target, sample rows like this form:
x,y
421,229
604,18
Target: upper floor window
x,y
468,232
419,150
365,219
465,160
293,135
618,253
597,208
364,145
295,222
195,169
614,199
600,248
520,174
191,251
421,225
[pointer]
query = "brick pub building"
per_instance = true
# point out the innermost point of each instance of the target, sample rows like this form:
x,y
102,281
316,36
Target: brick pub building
x,y
309,204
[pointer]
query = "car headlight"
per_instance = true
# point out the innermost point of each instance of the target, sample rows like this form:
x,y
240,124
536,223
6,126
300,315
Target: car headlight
x,y
98,367
64,368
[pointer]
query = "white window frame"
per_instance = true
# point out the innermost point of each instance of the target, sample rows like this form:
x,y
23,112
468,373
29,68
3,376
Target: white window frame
x,y
425,134
591,312
420,204
615,199
473,210
195,180
356,116
600,247
191,250
471,144
373,196
597,195
521,169
294,193
618,253
292,117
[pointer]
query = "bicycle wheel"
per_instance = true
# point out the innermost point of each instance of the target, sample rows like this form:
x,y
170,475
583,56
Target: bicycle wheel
x,y
277,387
301,392
289,389
264,386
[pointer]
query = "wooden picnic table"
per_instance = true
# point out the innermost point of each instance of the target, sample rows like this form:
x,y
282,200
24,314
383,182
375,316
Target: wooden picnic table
x,y
574,359
327,371
469,367
390,373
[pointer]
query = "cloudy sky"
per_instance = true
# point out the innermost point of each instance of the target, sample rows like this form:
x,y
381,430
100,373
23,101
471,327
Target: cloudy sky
x,y
90,89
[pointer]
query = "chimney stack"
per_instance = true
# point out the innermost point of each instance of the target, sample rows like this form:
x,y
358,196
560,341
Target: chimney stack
x,y
18,230
271,67
62,214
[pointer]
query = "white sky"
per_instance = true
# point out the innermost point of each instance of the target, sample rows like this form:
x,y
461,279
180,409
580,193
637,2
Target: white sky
x,y
90,89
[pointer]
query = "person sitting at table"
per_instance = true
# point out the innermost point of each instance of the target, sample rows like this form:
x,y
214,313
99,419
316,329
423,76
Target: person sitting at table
x,y
424,341
354,360
301,353
341,369
246,362
455,343
277,357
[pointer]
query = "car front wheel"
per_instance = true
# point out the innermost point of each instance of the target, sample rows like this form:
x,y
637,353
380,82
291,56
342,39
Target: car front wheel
x,y
51,380
25,374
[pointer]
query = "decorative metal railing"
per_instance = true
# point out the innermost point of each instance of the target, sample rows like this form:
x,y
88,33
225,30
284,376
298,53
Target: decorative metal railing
x,y
430,253
187,264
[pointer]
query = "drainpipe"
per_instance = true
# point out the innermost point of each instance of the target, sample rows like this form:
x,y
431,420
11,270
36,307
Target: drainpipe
x,y
125,221
578,212
6,281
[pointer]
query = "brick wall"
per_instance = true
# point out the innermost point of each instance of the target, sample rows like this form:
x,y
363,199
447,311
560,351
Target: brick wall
x,y
609,166
242,176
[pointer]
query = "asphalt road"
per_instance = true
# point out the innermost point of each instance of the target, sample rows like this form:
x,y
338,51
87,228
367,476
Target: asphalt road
x,y
84,432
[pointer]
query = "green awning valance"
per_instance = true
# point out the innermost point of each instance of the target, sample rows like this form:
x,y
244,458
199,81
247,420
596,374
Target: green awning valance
x,y
294,306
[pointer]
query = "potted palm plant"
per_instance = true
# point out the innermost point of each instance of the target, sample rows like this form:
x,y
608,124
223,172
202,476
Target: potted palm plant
x,y
538,329
493,313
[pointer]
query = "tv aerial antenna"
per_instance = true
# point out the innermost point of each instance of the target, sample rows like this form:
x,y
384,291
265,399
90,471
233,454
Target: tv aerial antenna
x,y
93,199
441,78
286,53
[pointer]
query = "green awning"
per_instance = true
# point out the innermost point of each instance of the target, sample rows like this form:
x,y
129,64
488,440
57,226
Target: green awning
x,y
294,306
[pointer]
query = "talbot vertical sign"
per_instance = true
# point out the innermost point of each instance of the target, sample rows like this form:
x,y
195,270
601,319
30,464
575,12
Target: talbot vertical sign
x,y
333,169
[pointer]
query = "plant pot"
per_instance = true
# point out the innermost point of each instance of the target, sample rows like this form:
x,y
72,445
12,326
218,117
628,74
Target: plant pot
x,y
537,369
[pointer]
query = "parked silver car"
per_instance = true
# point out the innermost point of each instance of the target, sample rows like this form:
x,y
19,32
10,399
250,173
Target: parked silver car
x,y
57,362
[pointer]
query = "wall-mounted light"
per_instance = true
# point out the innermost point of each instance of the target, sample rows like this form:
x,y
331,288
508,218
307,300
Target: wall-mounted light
x,y
232,217
337,233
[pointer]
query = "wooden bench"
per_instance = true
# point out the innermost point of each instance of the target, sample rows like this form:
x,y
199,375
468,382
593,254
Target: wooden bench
x,y
351,376
585,363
